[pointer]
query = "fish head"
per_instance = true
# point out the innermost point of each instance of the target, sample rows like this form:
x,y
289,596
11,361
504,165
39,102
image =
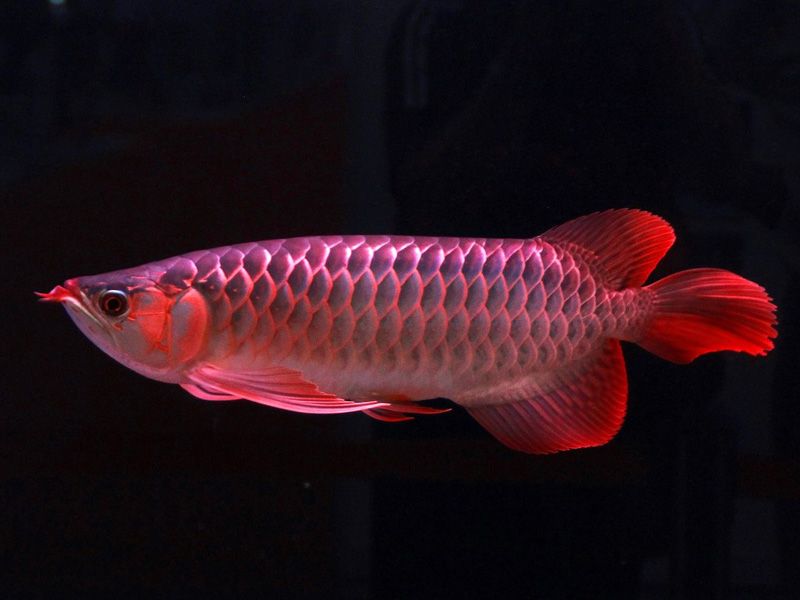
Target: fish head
x,y
154,329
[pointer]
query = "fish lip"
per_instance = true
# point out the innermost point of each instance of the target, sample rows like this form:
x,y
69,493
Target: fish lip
x,y
71,295
61,293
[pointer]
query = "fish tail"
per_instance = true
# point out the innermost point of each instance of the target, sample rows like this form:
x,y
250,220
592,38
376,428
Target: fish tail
x,y
708,310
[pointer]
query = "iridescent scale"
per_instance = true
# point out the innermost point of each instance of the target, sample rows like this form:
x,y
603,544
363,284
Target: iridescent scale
x,y
460,309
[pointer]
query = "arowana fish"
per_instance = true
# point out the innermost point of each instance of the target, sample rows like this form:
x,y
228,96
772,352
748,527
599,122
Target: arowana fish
x,y
524,334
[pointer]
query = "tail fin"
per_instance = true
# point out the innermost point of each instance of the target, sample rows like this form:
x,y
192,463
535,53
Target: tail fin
x,y
708,310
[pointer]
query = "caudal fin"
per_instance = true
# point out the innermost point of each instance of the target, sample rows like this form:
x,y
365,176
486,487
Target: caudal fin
x,y
708,310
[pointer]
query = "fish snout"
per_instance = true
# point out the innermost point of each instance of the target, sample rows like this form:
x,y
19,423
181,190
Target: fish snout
x,y
60,293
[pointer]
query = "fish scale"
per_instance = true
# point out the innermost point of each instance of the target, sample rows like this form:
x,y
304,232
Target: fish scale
x,y
404,305
524,334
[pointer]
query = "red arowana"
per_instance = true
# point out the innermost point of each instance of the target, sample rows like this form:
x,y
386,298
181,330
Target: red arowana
x,y
525,334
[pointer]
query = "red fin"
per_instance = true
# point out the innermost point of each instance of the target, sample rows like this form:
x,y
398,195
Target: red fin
x,y
585,408
402,411
273,386
399,407
203,394
381,414
708,310
625,244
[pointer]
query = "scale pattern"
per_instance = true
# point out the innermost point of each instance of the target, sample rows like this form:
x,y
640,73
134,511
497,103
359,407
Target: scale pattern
x,y
454,308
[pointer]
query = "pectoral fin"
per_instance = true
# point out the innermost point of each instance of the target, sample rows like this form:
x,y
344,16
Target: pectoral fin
x,y
273,386
289,390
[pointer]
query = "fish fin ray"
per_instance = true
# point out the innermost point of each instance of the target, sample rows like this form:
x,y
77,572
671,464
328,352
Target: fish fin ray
x,y
708,310
626,244
278,387
201,392
402,410
381,414
576,410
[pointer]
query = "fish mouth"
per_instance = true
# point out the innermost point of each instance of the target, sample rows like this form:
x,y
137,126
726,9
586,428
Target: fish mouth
x,y
70,294
61,293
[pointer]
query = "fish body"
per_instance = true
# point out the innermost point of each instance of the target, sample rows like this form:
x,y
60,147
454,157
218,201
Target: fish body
x,y
367,317
522,333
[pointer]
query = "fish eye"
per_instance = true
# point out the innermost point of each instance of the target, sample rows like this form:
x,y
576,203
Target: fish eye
x,y
114,303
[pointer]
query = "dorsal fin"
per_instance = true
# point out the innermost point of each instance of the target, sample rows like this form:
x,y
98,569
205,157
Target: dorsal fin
x,y
625,244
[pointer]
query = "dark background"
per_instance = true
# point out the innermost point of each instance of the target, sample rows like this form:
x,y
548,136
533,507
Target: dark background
x,y
133,130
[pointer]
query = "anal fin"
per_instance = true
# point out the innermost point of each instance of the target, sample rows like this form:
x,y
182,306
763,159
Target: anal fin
x,y
579,408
